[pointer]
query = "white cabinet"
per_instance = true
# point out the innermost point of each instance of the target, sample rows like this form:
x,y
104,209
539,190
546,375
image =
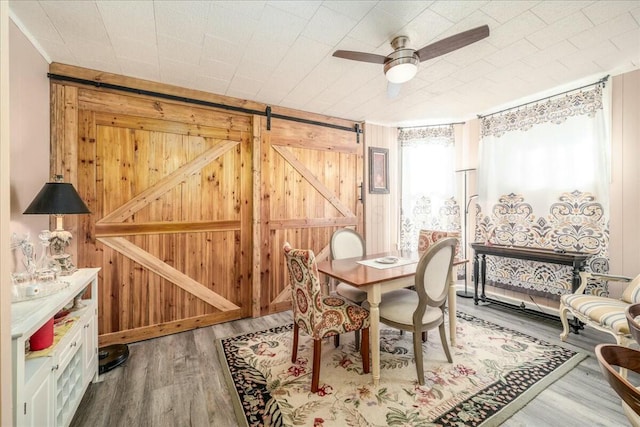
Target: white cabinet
x,y
90,345
38,403
47,390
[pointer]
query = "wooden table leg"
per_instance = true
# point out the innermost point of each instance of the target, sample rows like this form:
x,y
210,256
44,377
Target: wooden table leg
x,y
373,296
452,309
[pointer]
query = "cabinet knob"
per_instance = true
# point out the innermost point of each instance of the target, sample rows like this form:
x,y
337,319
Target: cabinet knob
x,y
73,344
54,368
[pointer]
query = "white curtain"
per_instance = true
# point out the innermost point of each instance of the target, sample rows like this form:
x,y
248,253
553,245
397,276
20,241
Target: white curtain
x,y
543,181
428,182
545,149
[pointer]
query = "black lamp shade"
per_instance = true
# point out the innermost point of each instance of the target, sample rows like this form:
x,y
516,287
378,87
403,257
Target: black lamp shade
x,y
57,198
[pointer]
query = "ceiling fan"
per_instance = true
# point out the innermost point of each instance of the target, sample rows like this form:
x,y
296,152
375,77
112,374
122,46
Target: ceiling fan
x,y
401,65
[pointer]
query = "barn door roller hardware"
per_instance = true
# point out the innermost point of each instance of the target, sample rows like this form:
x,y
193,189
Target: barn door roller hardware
x,y
266,113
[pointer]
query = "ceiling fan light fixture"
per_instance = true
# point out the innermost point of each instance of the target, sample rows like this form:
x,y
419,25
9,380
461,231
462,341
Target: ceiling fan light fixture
x,y
401,73
403,67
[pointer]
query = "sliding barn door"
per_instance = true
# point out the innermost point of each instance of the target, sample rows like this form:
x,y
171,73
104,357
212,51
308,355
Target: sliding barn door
x,y
170,191
311,183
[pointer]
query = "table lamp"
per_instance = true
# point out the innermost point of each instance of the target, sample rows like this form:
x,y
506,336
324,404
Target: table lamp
x,y
58,198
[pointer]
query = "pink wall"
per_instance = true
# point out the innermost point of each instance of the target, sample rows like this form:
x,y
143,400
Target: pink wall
x,y
29,123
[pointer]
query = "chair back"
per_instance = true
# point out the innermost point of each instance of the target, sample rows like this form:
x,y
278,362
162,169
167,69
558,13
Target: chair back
x,y
631,293
426,238
305,286
632,312
347,243
611,355
433,274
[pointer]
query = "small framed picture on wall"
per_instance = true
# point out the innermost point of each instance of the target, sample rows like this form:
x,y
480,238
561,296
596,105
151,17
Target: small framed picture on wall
x,y
378,170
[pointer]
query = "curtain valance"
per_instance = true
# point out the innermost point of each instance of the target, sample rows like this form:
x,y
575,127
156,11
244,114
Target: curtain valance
x,y
430,134
553,110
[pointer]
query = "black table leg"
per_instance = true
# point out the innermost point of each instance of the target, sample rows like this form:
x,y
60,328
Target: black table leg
x,y
578,266
475,279
484,275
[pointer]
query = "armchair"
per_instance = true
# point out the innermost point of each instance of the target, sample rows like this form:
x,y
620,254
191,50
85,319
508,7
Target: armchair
x,y
601,312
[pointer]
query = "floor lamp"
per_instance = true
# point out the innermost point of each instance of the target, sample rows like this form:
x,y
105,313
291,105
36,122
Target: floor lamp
x,y
465,293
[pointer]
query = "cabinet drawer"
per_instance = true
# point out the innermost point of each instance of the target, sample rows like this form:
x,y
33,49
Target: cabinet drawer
x,y
68,346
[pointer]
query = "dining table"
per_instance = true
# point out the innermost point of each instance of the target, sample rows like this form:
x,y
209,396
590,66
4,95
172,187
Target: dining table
x,y
371,274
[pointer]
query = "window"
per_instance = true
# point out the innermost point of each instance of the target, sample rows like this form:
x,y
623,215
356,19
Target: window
x,y
428,182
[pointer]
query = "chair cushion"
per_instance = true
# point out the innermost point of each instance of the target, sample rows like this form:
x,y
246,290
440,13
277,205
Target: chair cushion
x,y
631,293
351,292
337,316
398,306
604,311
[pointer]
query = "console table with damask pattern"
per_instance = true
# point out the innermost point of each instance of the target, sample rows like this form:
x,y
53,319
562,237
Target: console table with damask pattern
x,y
576,260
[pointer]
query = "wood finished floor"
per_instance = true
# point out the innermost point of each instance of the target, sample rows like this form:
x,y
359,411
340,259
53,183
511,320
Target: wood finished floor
x,y
177,380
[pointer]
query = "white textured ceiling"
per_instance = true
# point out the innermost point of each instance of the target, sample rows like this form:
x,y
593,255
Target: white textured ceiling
x,y
280,52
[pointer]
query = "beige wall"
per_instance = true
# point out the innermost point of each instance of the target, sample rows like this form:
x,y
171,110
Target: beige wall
x,y
624,248
24,164
29,107
5,289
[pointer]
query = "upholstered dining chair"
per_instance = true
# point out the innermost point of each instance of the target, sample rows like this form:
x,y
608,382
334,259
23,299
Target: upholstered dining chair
x,y
612,355
318,315
422,309
348,243
427,237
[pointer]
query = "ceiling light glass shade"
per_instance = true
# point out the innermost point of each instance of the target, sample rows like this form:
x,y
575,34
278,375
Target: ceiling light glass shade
x,y
402,66
401,73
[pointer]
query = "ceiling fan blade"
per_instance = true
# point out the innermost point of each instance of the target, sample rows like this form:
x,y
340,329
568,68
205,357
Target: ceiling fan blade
x,y
393,90
360,56
453,43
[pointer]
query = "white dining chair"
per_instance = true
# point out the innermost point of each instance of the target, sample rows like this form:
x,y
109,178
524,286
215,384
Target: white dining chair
x,y
348,243
422,309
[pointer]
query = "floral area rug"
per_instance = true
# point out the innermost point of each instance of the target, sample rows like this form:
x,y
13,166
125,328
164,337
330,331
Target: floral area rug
x,y
495,372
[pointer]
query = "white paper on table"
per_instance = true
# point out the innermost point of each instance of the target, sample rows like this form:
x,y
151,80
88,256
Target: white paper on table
x,y
381,266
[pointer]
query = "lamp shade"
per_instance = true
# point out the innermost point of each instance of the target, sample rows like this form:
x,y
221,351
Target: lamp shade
x,y
57,198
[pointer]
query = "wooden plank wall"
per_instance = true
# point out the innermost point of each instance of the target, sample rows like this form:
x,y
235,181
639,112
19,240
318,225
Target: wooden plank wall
x,y
381,210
